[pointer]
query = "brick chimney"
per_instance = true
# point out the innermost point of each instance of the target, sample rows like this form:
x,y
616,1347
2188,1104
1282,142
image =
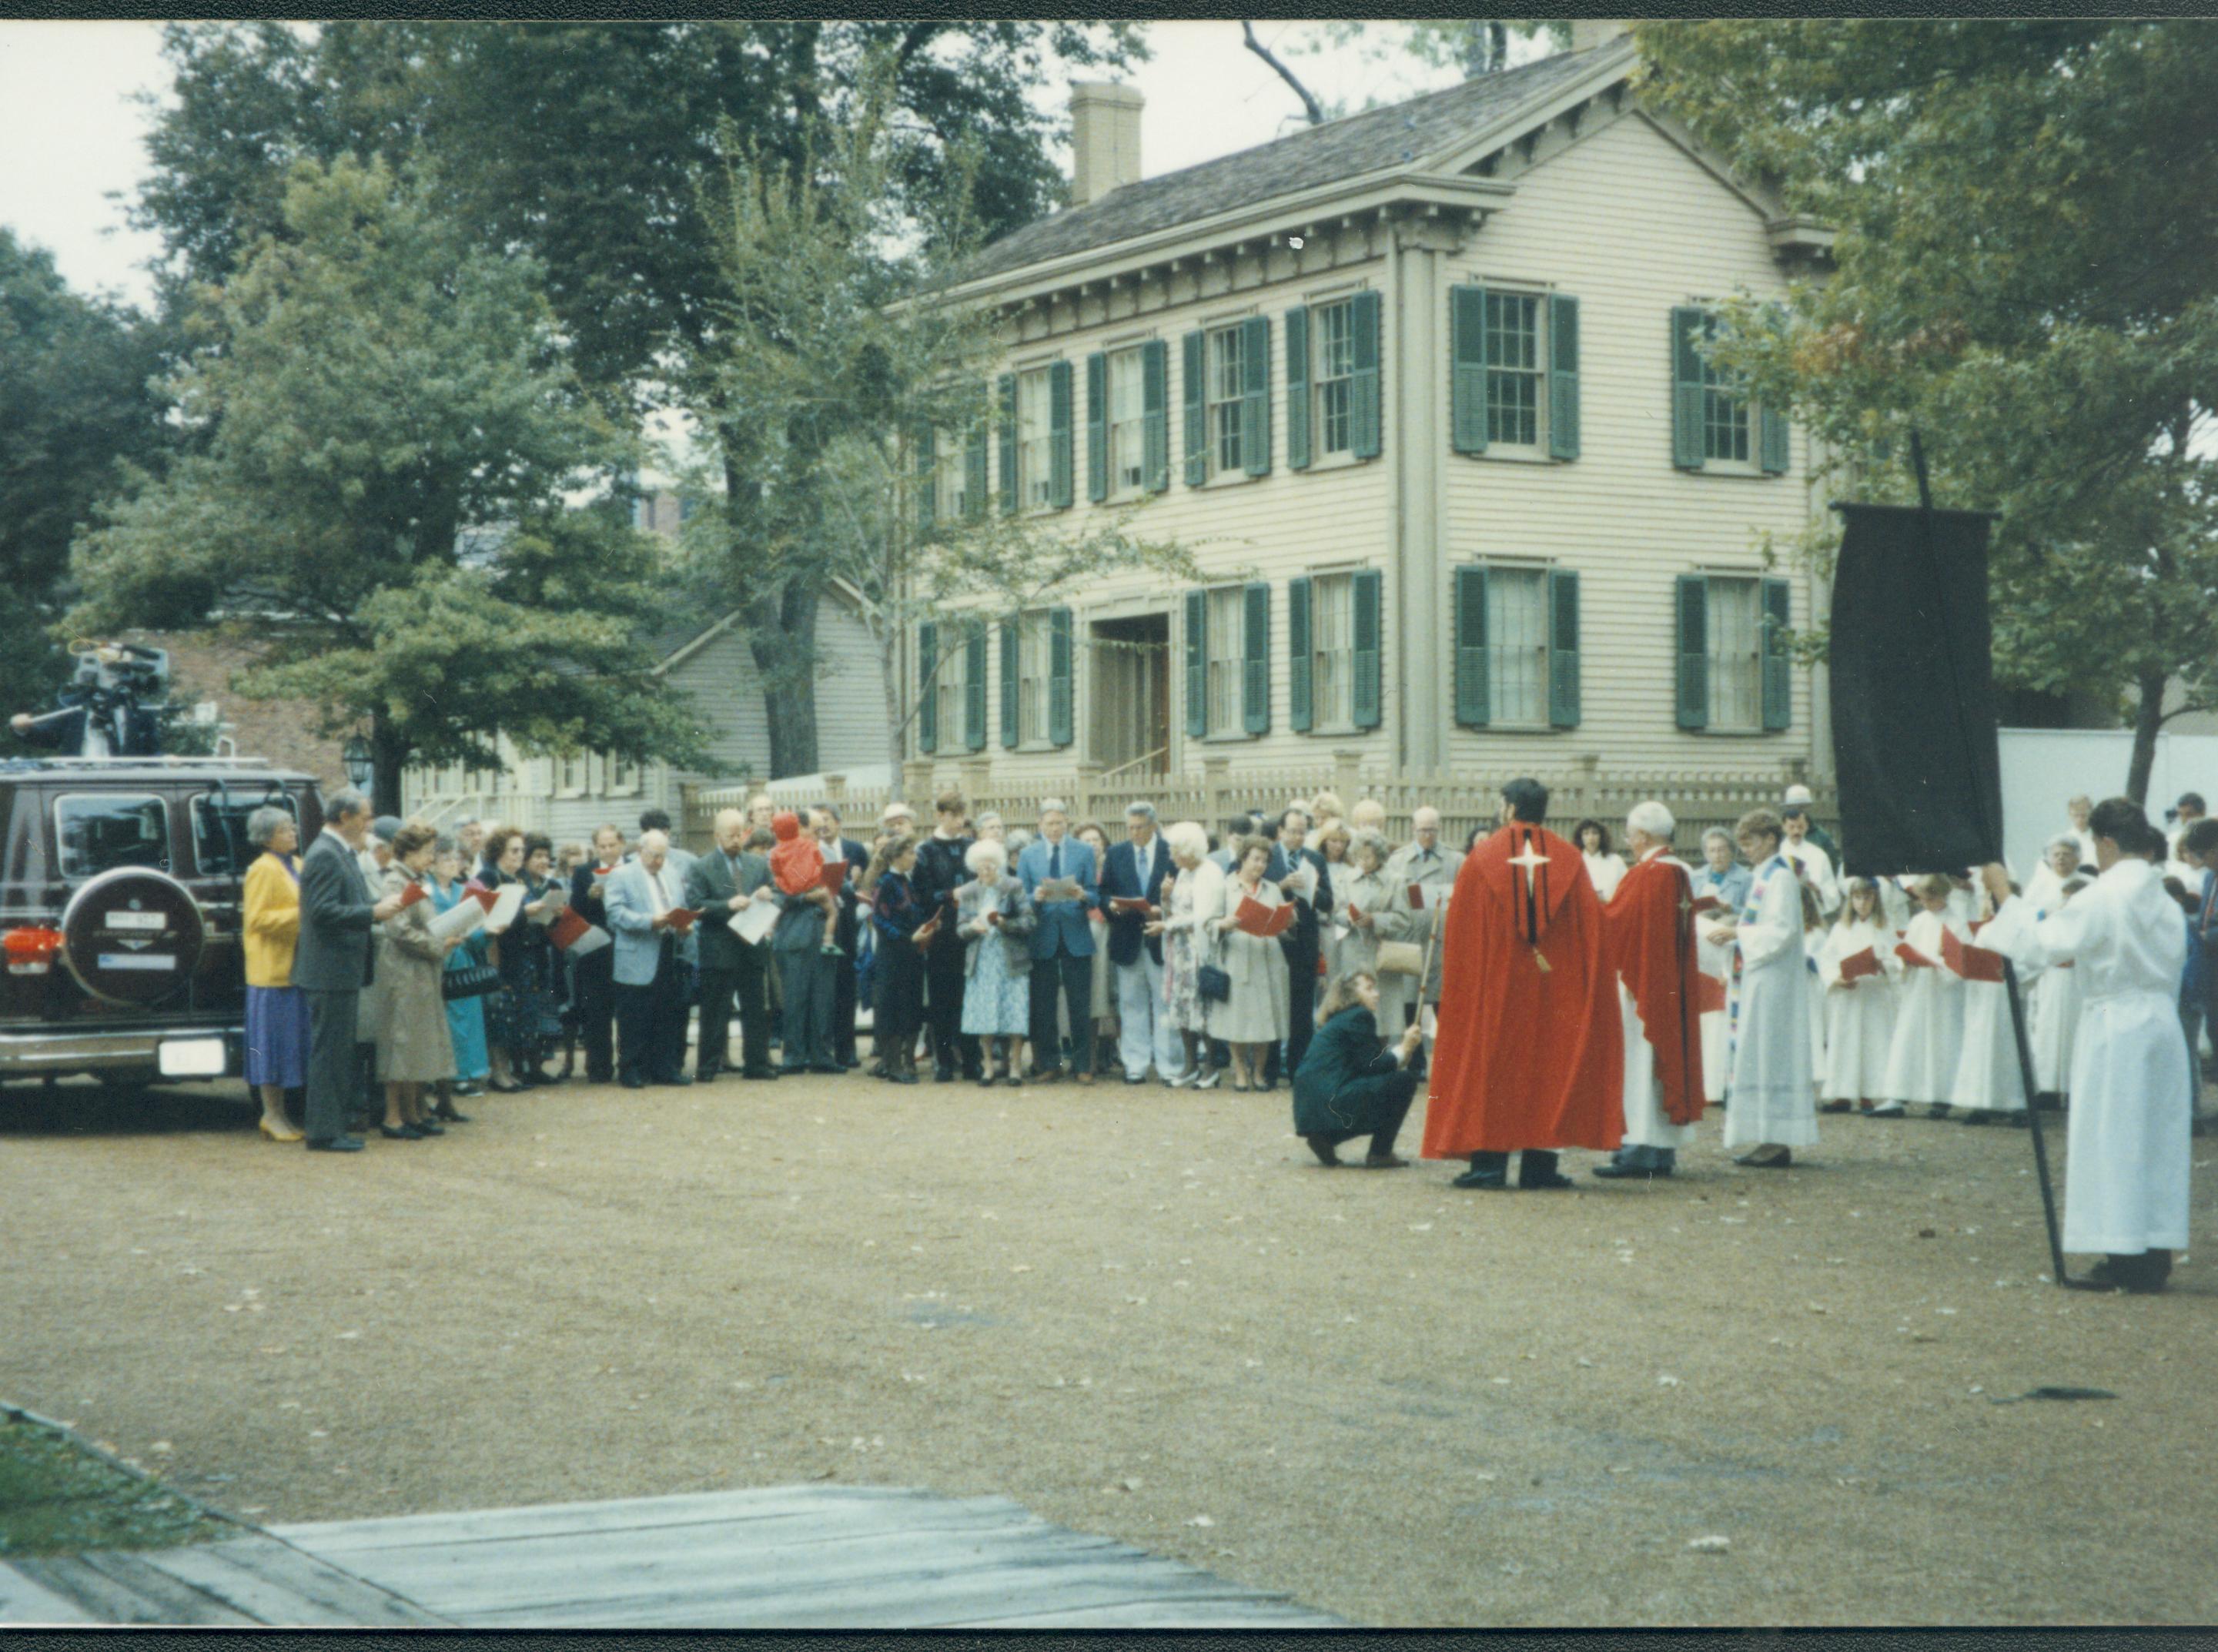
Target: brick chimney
x,y
1105,138
1587,33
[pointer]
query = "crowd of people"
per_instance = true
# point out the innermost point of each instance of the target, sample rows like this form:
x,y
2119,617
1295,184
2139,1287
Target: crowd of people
x,y
1302,946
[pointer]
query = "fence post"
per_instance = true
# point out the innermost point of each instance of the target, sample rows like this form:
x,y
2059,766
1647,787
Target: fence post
x,y
835,789
1348,776
977,774
1215,772
915,782
1086,797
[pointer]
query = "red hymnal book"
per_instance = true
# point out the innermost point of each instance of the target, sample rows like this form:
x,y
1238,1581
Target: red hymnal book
x,y
1910,955
1138,903
1972,963
1857,965
1416,897
681,917
1709,995
1258,920
1706,903
835,874
411,895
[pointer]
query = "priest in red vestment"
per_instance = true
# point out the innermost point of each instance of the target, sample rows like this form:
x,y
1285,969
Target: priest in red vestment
x,y
1530,1055
1650,932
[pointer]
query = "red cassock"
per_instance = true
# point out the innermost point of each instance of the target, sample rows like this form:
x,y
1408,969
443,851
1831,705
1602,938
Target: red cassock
x,y
1526,1057
1649,926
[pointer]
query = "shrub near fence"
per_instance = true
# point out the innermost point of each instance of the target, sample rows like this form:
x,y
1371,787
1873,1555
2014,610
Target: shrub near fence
x,y
1699,800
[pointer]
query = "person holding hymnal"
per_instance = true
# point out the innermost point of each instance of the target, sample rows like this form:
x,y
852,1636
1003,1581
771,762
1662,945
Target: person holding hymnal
x,y
1858,970
1928,1025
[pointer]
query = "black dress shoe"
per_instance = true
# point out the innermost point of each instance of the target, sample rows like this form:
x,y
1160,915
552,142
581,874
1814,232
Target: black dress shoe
x,y
1326,1152
500,1089
674,1080
404,1133
335,1144
759,1073
1542,1181
1617,1169
830,1069
425,1127
1486,1177
446,1110
944,1075
634,1083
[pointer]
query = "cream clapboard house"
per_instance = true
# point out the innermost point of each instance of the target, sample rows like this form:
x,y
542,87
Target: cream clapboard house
x,y
707,658
1419,386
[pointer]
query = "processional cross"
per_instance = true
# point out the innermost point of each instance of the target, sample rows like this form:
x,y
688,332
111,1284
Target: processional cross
x,y
1534,863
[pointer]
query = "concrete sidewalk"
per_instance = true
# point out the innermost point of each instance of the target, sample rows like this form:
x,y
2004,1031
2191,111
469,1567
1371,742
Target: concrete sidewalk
x,y
782,1558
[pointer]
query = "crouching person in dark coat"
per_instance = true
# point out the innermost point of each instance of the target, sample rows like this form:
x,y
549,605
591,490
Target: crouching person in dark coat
x,y
1347,1084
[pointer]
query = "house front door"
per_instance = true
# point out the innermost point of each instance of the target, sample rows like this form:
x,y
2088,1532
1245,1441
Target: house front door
x,y
1130,728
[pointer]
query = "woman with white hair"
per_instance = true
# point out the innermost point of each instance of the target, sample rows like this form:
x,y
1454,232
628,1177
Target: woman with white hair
x,y
277,1011
1362,892
1196,895
993,917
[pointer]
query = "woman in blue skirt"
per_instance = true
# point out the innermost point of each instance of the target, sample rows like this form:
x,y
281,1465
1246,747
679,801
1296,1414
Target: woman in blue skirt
x,y
465,1016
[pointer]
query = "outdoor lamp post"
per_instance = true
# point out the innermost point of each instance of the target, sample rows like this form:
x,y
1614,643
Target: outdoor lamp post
x,y
360,767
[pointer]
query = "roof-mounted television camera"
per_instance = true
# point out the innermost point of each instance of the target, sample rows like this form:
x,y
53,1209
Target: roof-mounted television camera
x,y
113,705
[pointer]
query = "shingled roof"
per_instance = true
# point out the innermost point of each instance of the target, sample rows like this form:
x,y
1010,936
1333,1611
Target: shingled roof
x,y
1376,140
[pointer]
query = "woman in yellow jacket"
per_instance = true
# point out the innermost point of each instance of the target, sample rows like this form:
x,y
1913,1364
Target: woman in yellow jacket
x,y
277,1011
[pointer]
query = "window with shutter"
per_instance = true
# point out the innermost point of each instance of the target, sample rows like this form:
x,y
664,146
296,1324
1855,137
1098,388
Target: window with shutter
x,y
1513,369
974,687
1366,417
1196,372
973,467
1517,625
1688,326
1736,654
1126,412
1692,604
1197,664
1256,395
1365,665
1011,693
1298,388
1332,329
1562,376
1096,427
1059,436
1059,674
1467,370
1472,669
1299,665
1007,398
1778,661
1154,392
1331,653
927,480
1563,647
1225,388
928,687
1035,440
1223,632
1776,443
1255,679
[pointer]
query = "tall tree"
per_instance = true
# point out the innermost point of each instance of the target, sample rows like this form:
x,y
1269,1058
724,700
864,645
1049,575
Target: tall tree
x,y
76,403
836,368
587,143
2027,274
386,437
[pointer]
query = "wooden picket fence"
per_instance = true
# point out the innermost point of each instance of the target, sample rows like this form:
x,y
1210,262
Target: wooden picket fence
x,y
1217,789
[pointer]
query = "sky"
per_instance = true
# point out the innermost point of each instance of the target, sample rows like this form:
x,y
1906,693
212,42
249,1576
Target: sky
x,y
72,138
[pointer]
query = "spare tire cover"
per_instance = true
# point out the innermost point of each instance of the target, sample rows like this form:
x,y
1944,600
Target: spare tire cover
x,y
132,935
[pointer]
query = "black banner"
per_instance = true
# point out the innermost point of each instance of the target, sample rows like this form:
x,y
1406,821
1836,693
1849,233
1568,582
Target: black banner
x,y
1913,696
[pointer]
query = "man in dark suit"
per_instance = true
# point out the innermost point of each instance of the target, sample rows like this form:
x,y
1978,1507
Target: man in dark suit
x,y
1063,945
722,883
824,821
1289,855
332,964
1136,870
593,975
939,872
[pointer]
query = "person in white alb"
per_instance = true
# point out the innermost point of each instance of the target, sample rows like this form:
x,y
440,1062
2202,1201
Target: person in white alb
x,y
1772,1111
2127,1177
1810,858
1650,923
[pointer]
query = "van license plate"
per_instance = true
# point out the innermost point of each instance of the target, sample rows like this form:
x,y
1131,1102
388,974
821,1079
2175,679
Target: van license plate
x,y
153,920
137,961
191,1058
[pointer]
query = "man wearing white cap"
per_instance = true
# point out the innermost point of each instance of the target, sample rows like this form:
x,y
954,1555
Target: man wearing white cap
x,y
1798,797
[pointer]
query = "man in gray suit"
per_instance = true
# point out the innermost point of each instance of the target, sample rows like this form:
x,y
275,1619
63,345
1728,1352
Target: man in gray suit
x,y
723,883
641,896
332,964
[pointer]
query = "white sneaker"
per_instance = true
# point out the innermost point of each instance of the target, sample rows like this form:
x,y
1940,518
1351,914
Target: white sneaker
x,y
1205,1080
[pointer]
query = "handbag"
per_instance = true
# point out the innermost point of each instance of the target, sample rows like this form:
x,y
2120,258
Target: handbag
x,y
471,980
1212,984
1400,958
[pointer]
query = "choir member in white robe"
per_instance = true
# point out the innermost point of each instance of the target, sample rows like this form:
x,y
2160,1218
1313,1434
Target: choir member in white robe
x,y
2126,1181
1895,906
2053,1001
1725,880
2081,809
1605,867
1815,864
1929,1022
1859,1010
1813,988
2060,860
1989,1087
1772,1111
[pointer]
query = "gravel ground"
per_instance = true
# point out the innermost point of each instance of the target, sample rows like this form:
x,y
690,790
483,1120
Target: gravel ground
x,y
1146,1314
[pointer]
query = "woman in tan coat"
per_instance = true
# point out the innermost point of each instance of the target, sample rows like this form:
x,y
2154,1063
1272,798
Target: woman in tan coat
x,y
413,1047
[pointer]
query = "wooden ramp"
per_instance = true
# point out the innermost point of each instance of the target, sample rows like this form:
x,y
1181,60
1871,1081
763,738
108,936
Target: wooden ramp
x,y
789,1557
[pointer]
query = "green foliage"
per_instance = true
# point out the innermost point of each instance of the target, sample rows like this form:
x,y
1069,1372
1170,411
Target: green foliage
x,y
2027,275
1466,45
386,437
75,404
833,353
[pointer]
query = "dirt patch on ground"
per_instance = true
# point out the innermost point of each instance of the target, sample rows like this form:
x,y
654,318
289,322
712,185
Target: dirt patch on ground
x,y
1146,1314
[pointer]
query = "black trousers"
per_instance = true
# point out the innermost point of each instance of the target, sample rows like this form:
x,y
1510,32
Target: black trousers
x,y
651,1023
1301,1010
806,974
334,1065
844,1007
943,971
1396,1092
899,1009
1074,977
594,981
744,981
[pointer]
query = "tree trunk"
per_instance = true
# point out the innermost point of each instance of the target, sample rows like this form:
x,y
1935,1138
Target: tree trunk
x,y
2148,719
896,723
782,638
388,755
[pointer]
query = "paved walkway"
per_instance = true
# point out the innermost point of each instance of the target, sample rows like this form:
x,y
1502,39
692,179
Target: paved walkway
x,y
785,1557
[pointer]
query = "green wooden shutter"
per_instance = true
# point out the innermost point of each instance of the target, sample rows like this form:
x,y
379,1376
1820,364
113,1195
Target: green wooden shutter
x,y
1058,416
1255,680
1773,447
1564,648
1300,711
1364,417
974,687
927,503
1688,326
974,465
928,687
1197,410
1058,677
1009,442
1155,430
1298,388
1197,662
1693,651
1009,730
1473,695
1096,427
1778,663
1366,701
1255,394
1562,376
1467,368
